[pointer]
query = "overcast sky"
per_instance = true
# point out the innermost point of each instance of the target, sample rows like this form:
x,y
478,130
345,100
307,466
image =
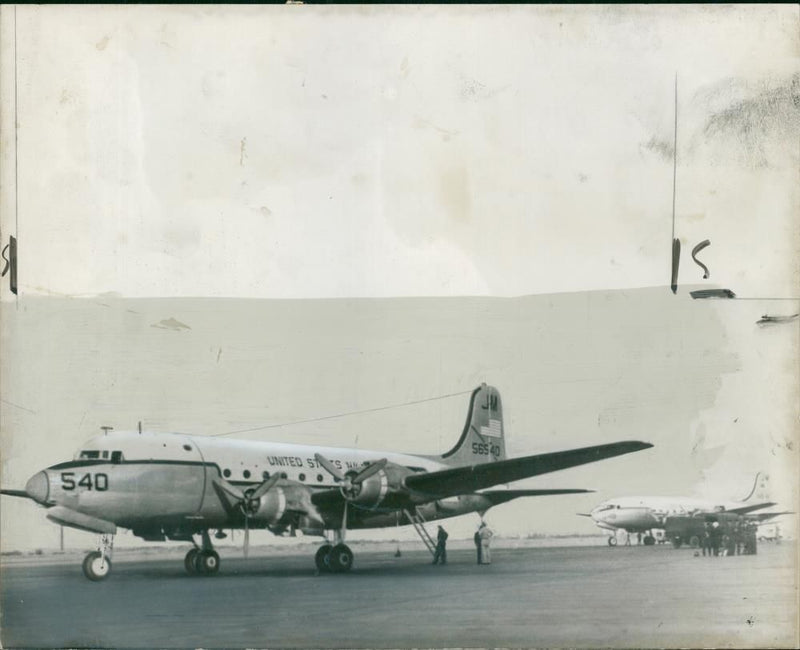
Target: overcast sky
x,y
378,152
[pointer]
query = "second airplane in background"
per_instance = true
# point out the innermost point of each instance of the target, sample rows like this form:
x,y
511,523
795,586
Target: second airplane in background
x,y
648,513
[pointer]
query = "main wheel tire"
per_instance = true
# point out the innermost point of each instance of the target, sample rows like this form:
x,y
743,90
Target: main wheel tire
x,y
206,563
96,567
677,542
649,540
189,562
612,540
694,541
322,558
341,559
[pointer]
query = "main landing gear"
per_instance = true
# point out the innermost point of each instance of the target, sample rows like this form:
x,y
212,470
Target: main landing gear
x,y
336,558
97,564
202,560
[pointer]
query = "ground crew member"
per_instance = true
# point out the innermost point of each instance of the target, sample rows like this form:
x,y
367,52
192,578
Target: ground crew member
x,y
486,537
751,543
440,555
715,535
705,540
477,539
738,541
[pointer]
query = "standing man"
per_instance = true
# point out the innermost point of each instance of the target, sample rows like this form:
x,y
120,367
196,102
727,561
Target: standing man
x,y
477,539
486,537
440,555
716,533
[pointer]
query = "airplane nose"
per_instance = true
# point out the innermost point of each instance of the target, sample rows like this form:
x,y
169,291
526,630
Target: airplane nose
x,y
38,487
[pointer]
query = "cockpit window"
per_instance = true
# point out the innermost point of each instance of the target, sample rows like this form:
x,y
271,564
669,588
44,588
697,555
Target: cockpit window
x,y
116,456
105,453
90,454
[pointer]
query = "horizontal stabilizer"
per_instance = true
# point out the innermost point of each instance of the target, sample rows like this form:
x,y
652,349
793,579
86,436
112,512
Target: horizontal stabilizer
x,y
462,480
762,517
755,506
501,496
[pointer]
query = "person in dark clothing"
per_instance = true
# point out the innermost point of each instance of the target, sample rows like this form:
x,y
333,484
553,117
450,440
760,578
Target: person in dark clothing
x,y
477,539
716,534
751,543
740,544
705,539
440,555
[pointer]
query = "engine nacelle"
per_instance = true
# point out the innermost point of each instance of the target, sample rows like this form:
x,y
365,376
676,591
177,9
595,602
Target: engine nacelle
x,y
286,504
376,489
270,508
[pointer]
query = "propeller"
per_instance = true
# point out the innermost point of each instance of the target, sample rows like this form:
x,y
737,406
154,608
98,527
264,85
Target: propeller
x,y
17,493
351,483
248,500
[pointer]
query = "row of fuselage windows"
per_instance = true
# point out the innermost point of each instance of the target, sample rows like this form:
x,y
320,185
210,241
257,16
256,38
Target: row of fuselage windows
x,y
301,477
265,475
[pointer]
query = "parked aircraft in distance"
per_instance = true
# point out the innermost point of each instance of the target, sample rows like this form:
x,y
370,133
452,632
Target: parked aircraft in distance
x,y
645,514
176,487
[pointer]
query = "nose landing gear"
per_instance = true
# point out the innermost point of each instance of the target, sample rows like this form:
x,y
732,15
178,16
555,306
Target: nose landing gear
x,y
97,564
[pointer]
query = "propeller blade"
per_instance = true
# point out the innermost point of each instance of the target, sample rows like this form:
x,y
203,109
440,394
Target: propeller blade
x,y
329,467
229,489
246,536
266,486
17,493
369,470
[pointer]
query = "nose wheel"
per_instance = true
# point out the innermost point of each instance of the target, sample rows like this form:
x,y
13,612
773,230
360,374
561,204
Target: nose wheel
x,y
97,564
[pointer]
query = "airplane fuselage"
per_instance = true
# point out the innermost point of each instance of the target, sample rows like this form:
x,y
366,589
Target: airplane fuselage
x,y
164,485
178,487
640,514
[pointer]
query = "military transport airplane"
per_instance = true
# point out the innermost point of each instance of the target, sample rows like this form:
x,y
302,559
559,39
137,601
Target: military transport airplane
x,y
176,487
645,514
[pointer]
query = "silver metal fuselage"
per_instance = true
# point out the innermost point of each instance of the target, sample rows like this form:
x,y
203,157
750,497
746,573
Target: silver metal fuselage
x,y
164,484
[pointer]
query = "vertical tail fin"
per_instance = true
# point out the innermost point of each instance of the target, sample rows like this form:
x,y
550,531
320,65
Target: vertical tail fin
x,y
760,489
482,440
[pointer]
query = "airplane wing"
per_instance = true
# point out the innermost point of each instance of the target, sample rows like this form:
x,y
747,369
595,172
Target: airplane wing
x,y
501,496
464,480
745,509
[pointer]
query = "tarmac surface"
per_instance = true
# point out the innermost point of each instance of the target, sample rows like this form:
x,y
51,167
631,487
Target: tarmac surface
x,y
531,597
